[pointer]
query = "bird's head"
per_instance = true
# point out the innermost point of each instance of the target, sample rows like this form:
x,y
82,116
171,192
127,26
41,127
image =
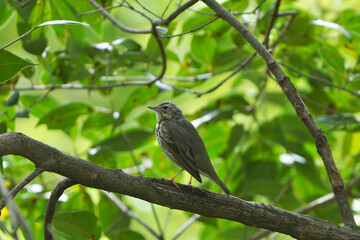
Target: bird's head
x,y
166,111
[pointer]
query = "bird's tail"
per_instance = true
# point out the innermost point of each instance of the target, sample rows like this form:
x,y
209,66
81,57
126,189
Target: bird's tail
x,y
222,185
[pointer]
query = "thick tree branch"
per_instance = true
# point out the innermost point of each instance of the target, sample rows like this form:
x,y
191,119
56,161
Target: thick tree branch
x,y
291,93
190,199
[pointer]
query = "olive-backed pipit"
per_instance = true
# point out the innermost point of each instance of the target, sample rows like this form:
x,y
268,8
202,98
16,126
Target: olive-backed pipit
x,y
182,144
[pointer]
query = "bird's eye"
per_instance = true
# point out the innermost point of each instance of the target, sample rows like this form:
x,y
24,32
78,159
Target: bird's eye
x,y
165,107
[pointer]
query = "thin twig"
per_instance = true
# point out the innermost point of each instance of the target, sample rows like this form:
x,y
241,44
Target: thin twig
x,y
166,8
186,225
236,13
116,22
195,78
321,80
192,30
316,104
137,11
292,15
271,23
129,213
146,9
20,186
241,66
162,54
177,12
98,10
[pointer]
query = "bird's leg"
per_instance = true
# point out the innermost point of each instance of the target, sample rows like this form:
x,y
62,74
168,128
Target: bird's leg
x,y
190,183
173,178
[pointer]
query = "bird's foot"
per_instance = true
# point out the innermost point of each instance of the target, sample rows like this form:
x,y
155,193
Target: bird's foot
x,y
171,180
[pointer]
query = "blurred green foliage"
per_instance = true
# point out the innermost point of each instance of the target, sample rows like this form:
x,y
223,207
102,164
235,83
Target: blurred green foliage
x,y
257,143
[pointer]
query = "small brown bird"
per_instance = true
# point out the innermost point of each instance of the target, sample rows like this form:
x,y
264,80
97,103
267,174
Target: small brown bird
x,y
182,144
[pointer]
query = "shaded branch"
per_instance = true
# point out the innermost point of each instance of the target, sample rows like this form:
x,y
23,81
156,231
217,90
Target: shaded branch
x,y
116,22
293,96
51,205
161,192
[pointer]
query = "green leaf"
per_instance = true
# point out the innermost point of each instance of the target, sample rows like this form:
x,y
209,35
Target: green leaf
x,y
78,225
64,116
3,127
13,99
312,174
35,46
41,108
203,48
118,143
10,65
236,133
332,58
23,113
112,218
354,82
128,43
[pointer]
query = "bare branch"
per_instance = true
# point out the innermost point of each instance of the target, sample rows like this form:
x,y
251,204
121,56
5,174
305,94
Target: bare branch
x,y
177,12
321,80
129,213
20,186
293,96
51,205
292,15
186,225
116,22
271,23
192,30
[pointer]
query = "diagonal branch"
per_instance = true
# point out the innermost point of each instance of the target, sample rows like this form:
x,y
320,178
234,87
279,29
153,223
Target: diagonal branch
x,y
20,186
293,96
116,22
190,199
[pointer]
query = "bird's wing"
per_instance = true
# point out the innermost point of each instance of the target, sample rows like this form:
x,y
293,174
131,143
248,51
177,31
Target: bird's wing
x,y
181,144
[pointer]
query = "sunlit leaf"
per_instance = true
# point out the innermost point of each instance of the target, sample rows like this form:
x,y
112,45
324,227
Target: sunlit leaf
x,y
64,116
78,224
127,141
333,58
10,65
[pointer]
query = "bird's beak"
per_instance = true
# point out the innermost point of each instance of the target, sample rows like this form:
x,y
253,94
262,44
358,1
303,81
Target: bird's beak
x,y
154,109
